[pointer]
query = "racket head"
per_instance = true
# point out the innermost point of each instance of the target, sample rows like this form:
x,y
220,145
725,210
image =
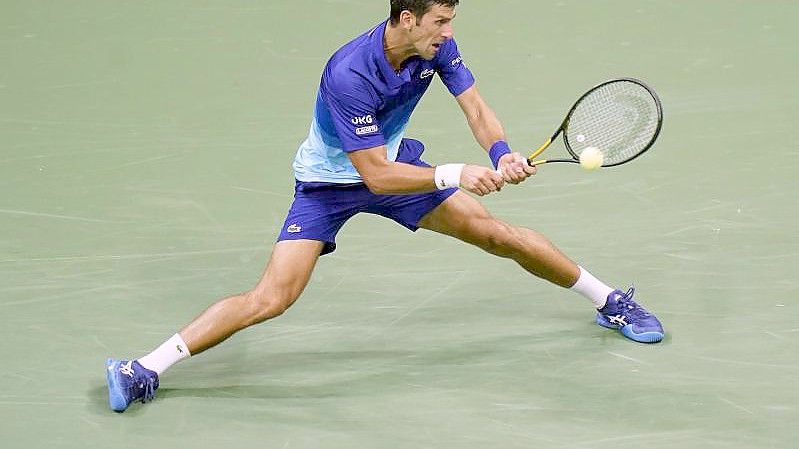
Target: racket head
x,y
621,117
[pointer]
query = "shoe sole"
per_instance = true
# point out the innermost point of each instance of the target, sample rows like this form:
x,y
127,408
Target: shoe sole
x,y
644,337
627,331
116,400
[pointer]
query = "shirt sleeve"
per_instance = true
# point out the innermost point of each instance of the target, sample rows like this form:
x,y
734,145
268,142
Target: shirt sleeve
x,y
452,70
353,111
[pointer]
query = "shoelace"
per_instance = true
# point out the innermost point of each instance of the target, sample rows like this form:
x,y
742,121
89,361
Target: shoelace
x,y
149,390
630,307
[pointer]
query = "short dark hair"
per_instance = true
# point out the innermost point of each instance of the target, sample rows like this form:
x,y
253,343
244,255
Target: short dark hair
x,y
417,7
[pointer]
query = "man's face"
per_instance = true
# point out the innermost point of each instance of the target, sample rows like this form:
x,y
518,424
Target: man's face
x,y
432,29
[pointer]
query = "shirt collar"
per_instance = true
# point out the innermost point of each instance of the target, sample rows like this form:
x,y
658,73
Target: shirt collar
x,y
393,79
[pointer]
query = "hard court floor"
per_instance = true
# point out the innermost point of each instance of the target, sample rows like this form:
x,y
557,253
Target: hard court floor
x,y
145,170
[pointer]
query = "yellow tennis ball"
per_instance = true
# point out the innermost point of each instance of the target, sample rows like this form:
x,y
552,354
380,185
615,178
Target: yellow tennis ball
x,y
591,158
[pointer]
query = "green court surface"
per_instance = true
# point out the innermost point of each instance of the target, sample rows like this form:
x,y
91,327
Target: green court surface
x,y
145,171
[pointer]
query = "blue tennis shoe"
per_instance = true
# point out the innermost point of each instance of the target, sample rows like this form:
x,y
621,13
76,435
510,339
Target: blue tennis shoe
x,y
626,315
129,382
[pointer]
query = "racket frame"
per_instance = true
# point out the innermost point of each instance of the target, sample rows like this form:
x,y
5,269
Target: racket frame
x,y
565,124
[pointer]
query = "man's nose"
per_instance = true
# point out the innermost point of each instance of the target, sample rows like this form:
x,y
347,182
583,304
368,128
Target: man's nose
x,y
448,32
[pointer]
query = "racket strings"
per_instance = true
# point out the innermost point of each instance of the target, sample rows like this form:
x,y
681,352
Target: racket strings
x,y
621,119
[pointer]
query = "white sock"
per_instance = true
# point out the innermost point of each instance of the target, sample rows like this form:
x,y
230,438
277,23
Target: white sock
x,y
166,355
592,288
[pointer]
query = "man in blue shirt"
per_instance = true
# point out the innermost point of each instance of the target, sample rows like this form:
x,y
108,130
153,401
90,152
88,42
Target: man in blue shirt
x,y
356,159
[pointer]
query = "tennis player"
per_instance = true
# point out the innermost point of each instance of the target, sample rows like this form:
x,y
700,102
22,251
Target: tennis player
x,y
356,159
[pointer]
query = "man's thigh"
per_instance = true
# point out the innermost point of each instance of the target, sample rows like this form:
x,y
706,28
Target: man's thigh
x,y
462,217
290,266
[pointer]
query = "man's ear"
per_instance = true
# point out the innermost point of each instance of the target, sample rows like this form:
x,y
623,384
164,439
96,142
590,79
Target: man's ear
x,y
407,20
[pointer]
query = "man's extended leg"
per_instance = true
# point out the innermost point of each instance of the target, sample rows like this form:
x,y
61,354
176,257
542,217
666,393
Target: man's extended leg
x,y
285,277
464,218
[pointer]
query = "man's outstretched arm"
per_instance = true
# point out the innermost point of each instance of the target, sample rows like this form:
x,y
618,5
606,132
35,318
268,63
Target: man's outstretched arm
x,y
395,178
489,133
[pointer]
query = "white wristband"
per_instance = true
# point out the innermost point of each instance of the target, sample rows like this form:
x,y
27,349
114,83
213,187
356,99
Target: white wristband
x,y
448,175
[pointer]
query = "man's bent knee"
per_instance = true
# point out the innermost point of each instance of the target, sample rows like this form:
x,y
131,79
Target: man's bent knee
x,y
267,305
497,237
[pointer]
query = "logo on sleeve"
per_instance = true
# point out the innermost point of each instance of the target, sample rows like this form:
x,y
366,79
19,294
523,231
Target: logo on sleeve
x,y
363,120
456,61
427,73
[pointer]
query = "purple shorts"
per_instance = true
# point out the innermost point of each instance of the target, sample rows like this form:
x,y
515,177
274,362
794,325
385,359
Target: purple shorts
x,y
320,209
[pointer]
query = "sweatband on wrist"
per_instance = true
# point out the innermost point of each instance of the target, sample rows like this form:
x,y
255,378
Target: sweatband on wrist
x,y
499,149
448,175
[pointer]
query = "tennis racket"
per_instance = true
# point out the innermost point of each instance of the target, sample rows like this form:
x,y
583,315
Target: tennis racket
x,y
620,117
